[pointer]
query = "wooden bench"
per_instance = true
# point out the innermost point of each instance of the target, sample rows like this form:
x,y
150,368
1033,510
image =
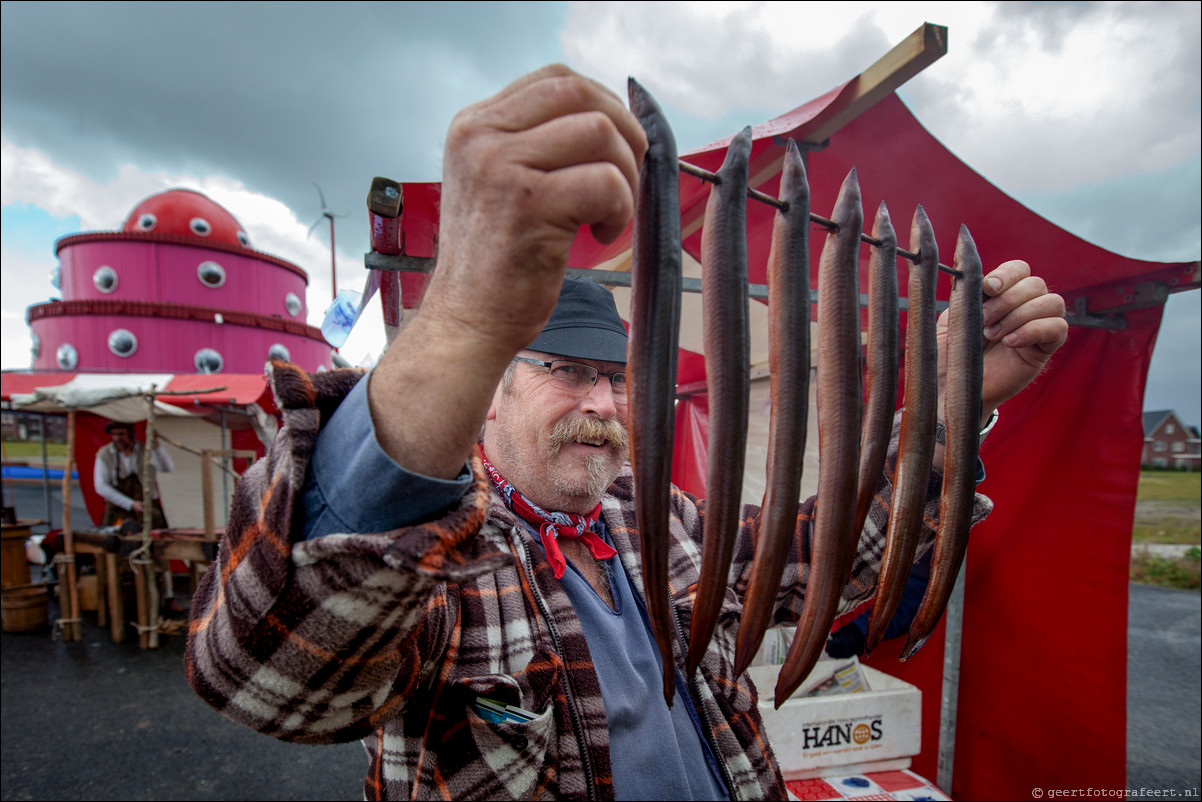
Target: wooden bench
x,y
109,548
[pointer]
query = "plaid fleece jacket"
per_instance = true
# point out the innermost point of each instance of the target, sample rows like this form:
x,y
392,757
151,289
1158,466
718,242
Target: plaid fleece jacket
x,y
389,637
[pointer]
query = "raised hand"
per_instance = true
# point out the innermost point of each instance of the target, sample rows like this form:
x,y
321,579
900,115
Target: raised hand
x,y
522,171
1024,326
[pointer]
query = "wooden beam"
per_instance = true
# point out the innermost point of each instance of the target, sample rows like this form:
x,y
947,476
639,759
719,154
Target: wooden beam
x,y
913,54
908,58
923,47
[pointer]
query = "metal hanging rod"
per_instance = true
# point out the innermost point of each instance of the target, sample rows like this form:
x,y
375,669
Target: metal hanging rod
x,y
754,194
611,278
829,225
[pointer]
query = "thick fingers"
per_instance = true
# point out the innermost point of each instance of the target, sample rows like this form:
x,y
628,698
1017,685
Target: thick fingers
x,y
1043,333
522,171
1005,276
1021,312
504,158
595,194
586,138
1023,291
552,92
1036,304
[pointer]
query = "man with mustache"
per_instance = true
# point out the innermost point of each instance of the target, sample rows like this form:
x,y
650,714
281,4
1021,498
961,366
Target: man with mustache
x,y
442,559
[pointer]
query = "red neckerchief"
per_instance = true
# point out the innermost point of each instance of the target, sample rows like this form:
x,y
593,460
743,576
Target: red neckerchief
x,y
552,525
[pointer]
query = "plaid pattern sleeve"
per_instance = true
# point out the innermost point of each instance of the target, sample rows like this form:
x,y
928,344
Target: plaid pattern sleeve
x,y
318,641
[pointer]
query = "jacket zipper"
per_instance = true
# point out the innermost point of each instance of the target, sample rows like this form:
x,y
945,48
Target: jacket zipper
x,y
585,760
700,707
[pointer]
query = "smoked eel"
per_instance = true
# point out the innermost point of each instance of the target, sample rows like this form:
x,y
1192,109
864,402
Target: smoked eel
x,y
655,287
789,364
881,377
728,383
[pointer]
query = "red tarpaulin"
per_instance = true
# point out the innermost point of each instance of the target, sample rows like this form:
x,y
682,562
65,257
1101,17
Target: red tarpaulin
x,y
1043,663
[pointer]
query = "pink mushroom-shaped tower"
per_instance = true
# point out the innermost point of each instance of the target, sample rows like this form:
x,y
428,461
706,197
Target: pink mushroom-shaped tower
x,y
177,290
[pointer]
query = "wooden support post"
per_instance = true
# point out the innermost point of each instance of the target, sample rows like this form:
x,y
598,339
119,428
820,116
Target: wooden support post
x,y
196,570
69,606
116,597
151,620
385,200
207,457
140,568
102,606
206,492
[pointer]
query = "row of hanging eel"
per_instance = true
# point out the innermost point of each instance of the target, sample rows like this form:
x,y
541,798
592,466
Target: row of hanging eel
x,y
834,543
851,449
962,411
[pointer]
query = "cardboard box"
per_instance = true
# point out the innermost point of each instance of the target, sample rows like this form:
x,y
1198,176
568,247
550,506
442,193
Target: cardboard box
x,y
876,729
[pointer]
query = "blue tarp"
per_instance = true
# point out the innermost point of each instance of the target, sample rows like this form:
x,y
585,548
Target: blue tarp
x,y
26,472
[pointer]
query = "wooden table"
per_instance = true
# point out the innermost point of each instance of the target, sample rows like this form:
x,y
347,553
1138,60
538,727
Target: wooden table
x,y
110,548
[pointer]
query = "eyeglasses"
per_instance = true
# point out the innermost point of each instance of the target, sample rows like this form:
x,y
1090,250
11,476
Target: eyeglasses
x,y
576,377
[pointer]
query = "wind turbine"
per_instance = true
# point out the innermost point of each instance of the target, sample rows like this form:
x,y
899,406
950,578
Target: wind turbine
x,y
327,213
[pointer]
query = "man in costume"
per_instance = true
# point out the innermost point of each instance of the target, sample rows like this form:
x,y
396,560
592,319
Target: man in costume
x,y
118,475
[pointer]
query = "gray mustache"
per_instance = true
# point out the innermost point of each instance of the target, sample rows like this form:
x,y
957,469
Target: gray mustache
x,y
579,429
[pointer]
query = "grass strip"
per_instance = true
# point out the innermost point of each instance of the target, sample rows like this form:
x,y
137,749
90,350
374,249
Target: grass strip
x,y
1170,486
1182,573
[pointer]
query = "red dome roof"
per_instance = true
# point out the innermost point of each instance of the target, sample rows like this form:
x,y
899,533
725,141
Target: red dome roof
x,y
184,212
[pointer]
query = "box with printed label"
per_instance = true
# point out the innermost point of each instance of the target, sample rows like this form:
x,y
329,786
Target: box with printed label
x,y
877,728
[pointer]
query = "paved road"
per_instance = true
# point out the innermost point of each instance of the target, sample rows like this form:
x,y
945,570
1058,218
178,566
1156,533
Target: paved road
x,y
98,720
94,720
1164,689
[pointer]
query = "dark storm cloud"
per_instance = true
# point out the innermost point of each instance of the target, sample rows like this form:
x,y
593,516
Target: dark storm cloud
x,y
274,95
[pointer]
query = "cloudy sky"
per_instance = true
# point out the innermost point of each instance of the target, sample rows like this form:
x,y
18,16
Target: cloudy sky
x,y
1086,112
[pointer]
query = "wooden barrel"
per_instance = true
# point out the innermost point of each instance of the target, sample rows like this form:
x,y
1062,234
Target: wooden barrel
x,y
24,609
14,570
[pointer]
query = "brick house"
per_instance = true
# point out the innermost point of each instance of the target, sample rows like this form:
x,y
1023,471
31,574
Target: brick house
x,y
1168,443
28,426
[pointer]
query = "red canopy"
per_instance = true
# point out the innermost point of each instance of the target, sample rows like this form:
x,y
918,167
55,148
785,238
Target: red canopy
x,y
237,388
